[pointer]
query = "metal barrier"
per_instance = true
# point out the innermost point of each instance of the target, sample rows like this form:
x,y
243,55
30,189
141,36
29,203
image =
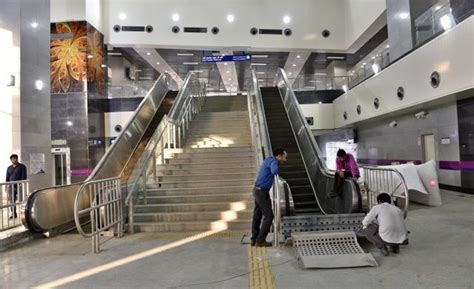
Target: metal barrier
x,y
104,209
12,194
169,136
385,180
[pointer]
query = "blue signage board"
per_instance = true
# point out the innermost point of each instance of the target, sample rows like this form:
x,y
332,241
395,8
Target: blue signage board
x,y
226,58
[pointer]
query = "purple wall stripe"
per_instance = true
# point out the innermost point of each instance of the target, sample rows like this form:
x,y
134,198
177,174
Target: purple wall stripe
x,y
457,165
81,172
443,165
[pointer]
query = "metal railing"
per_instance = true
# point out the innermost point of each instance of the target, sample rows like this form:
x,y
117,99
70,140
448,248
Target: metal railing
x,y
102,201
12,194
169,136
428,24
263,149
316,82
384,180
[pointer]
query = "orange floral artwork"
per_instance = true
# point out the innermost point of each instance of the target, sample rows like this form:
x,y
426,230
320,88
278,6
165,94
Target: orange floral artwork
x,y
95,61
68,57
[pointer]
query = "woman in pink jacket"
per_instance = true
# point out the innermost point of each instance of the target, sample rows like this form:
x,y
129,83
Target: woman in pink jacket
x,y
346,167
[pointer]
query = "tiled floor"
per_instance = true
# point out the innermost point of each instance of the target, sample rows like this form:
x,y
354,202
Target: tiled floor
x,y
440,255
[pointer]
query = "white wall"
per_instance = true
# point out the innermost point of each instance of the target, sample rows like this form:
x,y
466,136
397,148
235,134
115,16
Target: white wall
x,y
308,19
116,118
68,10
323,115
451,54
359,15
94,13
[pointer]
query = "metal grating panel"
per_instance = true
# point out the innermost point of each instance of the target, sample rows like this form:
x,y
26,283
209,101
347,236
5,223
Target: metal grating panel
x,y
330,250
315,223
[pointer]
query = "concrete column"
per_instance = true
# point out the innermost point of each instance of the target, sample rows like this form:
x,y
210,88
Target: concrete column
x,y
399,26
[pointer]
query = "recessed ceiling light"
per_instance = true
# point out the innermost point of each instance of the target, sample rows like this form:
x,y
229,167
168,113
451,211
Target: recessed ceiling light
x,y
289,73
260,56
298,56
225,63
388,46
286,19
34,24
190,63
364,64
175,17
294,64
157,63
230,18
260,72
258,64
122,16
148,53
373,57
230,79
69,123
184,54
166,71
335,57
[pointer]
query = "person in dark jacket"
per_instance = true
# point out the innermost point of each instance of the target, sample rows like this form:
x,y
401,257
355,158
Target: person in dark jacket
x,y
263,204
346,167
15,172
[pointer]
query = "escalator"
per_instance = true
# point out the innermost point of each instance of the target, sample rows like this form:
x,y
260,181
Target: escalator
x,y
52,209
309,179
281,135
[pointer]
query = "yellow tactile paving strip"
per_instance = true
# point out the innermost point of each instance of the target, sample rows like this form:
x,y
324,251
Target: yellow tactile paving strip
x,y
260,273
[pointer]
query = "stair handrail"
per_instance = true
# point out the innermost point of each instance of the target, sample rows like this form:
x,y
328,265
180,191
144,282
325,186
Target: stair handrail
x,y
169,135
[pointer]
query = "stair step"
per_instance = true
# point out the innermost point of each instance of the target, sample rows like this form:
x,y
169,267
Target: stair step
x,y
206,183
205,166
208,198
194,207
164,171
197,191
213,160
210,177
192,216
201,226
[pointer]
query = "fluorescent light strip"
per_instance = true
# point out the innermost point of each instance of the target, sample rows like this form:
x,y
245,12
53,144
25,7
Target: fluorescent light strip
x,y
259,56
114,53
190,63
258,64
260,72
320,73
184,54
335,57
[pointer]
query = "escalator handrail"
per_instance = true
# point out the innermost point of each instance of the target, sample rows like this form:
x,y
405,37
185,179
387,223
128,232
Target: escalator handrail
x,y
167,80
183,97
262,119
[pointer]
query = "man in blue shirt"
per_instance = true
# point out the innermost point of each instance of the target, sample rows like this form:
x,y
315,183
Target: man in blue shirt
x,y
15,172
263,204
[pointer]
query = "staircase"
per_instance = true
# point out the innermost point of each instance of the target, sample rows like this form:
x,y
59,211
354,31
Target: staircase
x,y
209,185
281,135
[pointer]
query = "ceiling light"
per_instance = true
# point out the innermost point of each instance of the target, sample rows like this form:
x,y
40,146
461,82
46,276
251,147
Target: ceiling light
x,y
320,73
335,57
344,87
115,53
228,71
289,73
34,24
39,84
388,46
157,63
437,7
122,16
225,63
298,56
148,53
69,123
375,68
258,64
166,71
190,63
364,64
230,18
373,57
230,79
446,22
294,64
259,56
403,15
175,17
286,19
260,72
184,54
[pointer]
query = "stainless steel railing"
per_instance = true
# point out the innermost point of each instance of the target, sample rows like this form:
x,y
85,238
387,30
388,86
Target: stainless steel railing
x,y
102,201
12,194
263,149
384,180
167,138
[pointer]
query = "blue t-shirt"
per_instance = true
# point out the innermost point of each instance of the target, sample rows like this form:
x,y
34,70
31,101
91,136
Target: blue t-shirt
x,y
270,167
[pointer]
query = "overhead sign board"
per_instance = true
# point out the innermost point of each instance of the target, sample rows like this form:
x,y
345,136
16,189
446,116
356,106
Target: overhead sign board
x,y
226,58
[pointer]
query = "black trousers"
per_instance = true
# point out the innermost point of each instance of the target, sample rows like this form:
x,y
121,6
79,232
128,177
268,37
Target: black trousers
x,y
339,182
263,208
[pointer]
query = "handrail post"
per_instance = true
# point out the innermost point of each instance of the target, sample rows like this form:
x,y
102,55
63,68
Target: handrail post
x,y
131,228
